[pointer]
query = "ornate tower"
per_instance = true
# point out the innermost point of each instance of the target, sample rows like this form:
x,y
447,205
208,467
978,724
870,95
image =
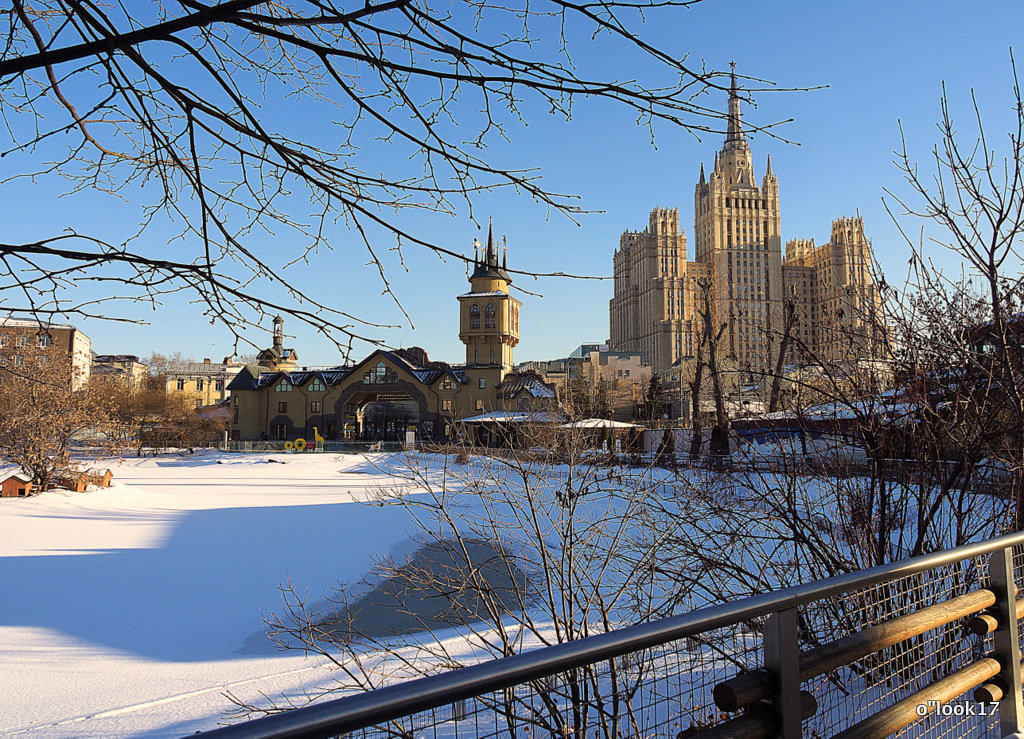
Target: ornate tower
x,y
488,315
277,357
736,236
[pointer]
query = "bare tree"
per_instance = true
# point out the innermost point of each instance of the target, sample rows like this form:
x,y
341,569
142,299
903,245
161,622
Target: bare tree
x,y
512,554
961,343
711,336
249,116
40,413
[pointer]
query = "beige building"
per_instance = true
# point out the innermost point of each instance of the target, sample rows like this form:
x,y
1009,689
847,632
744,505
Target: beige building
x,y
392,392
836,299
28,343
624,374
124,368
202,383
738,263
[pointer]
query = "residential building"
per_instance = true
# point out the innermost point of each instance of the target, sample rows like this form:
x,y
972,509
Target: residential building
x,y
28,343
202,383
624,377
391,392
738,271
123,368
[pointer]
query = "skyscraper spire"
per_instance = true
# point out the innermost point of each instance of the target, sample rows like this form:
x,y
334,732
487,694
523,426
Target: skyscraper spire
x,y
735,132
702,180
769,172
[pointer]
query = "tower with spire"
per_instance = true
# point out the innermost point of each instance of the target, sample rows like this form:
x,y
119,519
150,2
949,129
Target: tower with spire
x,y
657,304
737,239
488,317
277,357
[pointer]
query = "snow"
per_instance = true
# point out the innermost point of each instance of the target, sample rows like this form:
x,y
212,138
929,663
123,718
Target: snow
x,y
131,610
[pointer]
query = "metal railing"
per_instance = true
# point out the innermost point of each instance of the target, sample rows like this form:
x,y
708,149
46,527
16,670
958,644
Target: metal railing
x,y
868,653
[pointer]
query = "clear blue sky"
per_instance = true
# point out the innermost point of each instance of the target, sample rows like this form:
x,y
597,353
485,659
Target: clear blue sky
x,y
882,62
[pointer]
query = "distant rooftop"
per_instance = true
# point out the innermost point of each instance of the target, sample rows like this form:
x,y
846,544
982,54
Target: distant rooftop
x,y
23,323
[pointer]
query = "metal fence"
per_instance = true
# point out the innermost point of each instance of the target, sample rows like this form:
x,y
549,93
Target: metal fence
x,y
346,447
907,649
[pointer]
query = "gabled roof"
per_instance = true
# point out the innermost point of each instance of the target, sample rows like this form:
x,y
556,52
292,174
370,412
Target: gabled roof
x,y
529,382
7,473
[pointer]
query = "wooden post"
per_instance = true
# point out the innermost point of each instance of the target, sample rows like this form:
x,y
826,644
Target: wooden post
x,y
1007,640
782,657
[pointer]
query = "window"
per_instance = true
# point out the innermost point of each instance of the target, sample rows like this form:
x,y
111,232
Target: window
x,y
19,361
283,386
200,384
3,341
282,406
483,382
474,316
316,386
489,316
314,406
380,375
181,385
220,385
282,431
234,414
492,356
447,384
41,359
22,341
199,403
448,405
43,340
480,405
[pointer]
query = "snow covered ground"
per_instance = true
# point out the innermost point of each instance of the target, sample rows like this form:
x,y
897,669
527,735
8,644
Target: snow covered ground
x,y
131,610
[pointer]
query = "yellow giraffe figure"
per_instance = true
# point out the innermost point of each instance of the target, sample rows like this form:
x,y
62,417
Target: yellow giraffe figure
x,y
318,440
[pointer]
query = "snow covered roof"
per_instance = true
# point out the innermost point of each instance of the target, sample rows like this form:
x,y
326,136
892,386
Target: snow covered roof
x,y
599,423
7,473
512,417
531,382
488,294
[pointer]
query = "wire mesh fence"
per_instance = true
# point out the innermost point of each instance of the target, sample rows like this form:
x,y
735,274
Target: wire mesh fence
x,y
855,692
664,691
881,655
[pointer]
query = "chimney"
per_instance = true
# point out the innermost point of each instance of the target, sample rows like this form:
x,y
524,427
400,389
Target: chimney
x,y
206,360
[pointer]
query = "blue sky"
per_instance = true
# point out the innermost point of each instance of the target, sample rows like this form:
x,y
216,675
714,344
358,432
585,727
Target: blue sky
x,y
882,63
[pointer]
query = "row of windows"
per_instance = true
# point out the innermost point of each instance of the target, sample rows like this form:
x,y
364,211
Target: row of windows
x,y
315,406
379,375
42,340
19,360
217,385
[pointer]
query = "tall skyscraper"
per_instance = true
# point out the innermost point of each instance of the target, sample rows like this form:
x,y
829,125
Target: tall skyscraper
x,y
658,303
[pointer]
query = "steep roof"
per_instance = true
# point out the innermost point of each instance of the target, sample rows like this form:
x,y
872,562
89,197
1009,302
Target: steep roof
x,y
529,382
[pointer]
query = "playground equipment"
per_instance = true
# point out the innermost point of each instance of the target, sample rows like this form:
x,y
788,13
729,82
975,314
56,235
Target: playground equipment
x,y
301,445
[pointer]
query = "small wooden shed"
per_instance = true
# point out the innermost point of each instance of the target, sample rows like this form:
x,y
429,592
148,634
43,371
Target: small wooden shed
x,y
15,484
78,480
